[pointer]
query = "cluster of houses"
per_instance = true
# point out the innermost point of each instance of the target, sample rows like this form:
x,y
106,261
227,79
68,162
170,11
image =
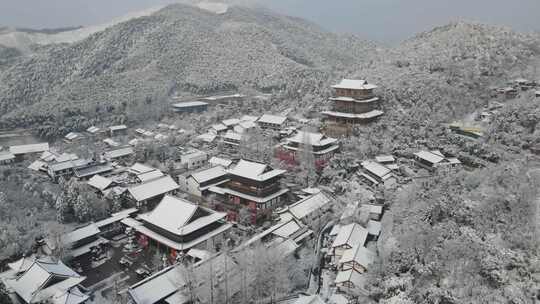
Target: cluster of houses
x,y
512,89
190,211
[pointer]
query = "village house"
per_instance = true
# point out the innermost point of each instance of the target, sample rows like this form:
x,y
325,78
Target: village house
x,y
66,168
84,243
21,151
219,161
151,192
218,128
119,155
253,185
318,144
435,160
177,225
100,183
207,137
118,130
48,282
198,183
149,175
88,171
230,123
72,137
244,126
354,102
273,122
94,131
193,159
6,157
190,107
211,280
309,210
139,168
374,229
349,236
111,142
232,139
357,258
349,279
388,161
375,174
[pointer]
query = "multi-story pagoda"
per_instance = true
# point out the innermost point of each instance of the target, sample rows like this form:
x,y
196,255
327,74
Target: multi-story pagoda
x,y
354,102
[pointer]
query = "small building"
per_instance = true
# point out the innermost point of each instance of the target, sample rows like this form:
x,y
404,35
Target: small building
x,y
6,157
146,194
349,236
252,185
139,168
83,242
232,139
179,225
375,173
309,210
111,142
66,168
190,107
318,144
207,137
273,122
198,183
118,130
434,160
374,228
86,172
349,279
218,128
230,123
100,183
388,161
21,150
218,161
72,137
150,175
357,258
93,130
121,154
48,282
250,118
193,159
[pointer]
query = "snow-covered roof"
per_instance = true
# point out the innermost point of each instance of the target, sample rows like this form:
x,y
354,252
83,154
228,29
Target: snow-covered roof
x,y
150,175
231,122
377,169
254,171
99,182
430,156
314,299
153,188
249,118
23,263
70,164
93,129
119,153
288,229
358,254
351,235
32,148
218,161
207,137
118,128
385,159
314,139
199,253
65,157
367,115
272,119
181,217
219,127
111,142
159,286
374,227
354,84
72,136
5,155
188,104
351,276
81,233
350,99
30,285
232,136
252,198
209,174
309,205
139,168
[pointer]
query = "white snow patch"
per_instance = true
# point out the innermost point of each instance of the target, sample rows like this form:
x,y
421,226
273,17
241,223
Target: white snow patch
x,y
214,7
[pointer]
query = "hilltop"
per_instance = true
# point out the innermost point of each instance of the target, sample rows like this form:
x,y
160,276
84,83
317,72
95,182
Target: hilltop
x,y
177,49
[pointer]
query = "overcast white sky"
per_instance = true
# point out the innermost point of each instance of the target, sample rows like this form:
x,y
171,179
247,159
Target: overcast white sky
x,y
382,20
